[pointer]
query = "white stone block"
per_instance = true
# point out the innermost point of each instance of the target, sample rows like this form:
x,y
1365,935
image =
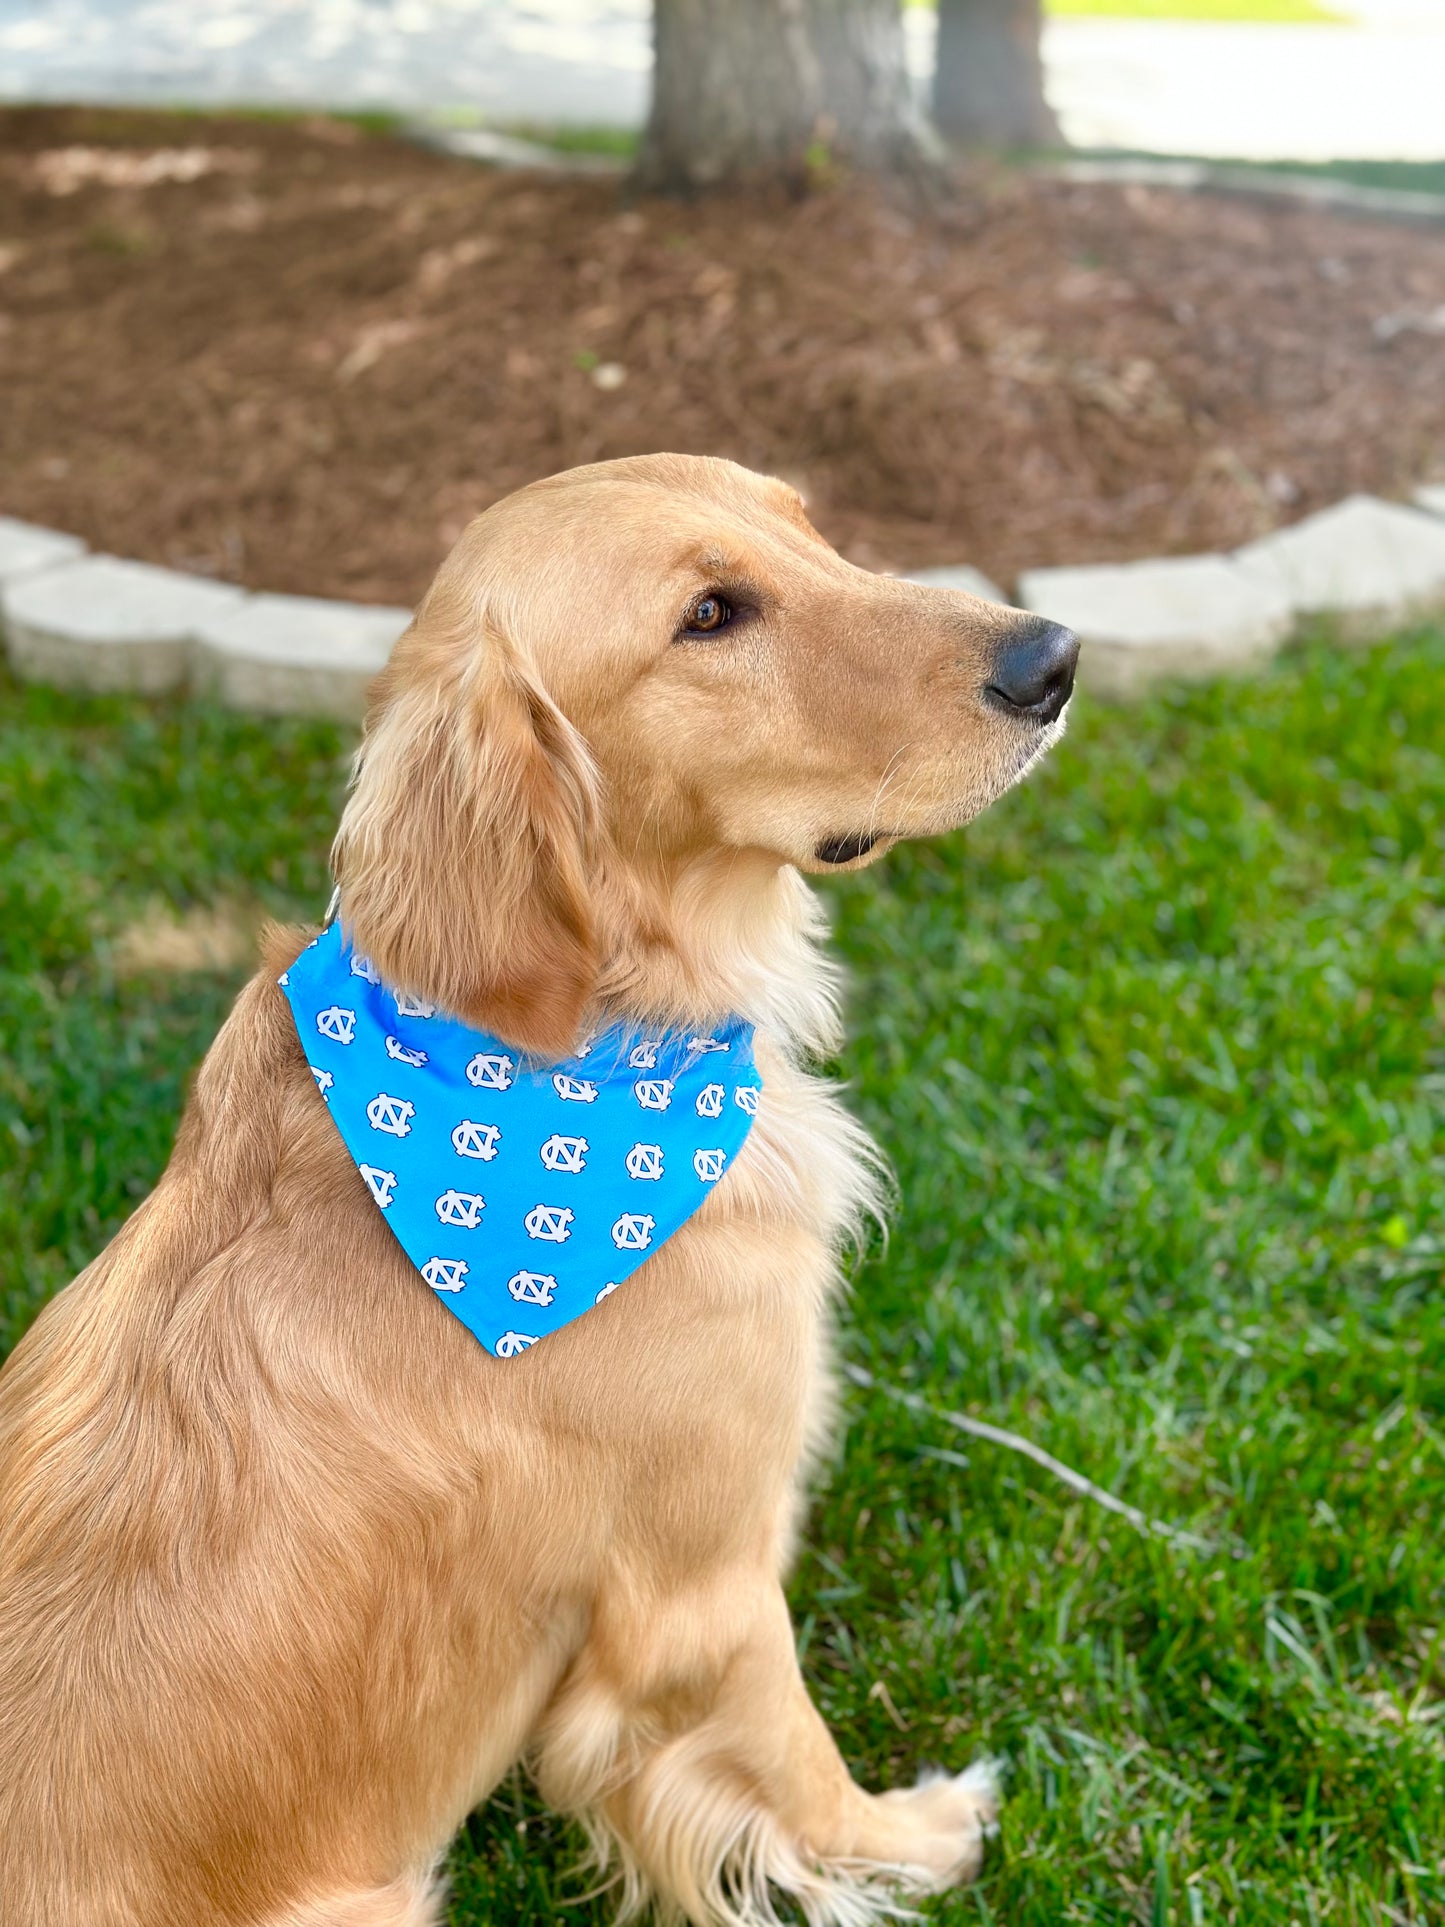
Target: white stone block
x,y
971,581
25,548
1369,564
283,655
1431,498
1141,623
100,623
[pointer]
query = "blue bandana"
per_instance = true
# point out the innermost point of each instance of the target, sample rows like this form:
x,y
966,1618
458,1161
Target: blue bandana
x,y
522,1193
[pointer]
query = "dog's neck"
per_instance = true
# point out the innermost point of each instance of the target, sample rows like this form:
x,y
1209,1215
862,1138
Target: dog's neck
x,y
725,933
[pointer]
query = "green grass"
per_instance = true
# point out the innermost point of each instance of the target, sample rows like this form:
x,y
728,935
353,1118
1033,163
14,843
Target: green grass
x,y
618,143
1292,13
106,807
139,123
1277,12
1158,1050
1416,177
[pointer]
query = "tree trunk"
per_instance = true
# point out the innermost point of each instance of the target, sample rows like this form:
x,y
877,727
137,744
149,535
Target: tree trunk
x,y
751,89
988,82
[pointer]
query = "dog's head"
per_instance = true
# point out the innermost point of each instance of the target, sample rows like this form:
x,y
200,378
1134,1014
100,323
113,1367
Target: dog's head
x,y
645,666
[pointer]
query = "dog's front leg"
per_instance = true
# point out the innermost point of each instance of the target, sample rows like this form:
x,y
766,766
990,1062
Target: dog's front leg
x,y
692,1748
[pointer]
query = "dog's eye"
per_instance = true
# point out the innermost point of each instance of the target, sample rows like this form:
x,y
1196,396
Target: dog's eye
x,y
708,614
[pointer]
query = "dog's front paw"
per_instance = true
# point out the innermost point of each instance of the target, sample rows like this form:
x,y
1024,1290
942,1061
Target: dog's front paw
x,y
943,1823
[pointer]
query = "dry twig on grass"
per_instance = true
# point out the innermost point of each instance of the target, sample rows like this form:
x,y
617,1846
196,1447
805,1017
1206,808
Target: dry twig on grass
x,y
978,1428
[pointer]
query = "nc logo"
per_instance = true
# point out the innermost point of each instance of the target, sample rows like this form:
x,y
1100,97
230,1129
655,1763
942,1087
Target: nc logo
x,y
746,1099
461,1207
390,1114
284,979
633,1232
644,1161
653,1093
513,1344
574,1090
644,1057
409,1006
337,1024
565,1153
490,1073
382,1184
710,1101
549,1222
475,1140
532,1287
702,1045
709,1165
324,1080
399,1053
364,967
584,1049
606,1291
445,1274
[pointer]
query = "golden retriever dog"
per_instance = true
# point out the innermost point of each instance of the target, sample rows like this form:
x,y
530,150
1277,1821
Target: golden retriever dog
x,y
292,1570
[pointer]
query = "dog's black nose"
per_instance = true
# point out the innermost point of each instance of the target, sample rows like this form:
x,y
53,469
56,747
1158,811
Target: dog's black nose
x,y
1034,669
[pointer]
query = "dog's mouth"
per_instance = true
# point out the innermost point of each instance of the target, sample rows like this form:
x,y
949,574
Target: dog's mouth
x,y
847,849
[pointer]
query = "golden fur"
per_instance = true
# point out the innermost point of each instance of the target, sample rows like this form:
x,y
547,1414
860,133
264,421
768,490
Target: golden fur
x,y
291,1570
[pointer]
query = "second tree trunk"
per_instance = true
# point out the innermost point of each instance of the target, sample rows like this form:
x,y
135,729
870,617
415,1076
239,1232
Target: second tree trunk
x,y
988,84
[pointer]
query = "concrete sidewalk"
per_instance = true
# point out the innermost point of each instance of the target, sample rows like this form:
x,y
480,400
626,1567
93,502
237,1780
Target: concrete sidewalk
x,y
1236,91
1370,90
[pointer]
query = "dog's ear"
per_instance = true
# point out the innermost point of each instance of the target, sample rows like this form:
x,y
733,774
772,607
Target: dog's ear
x,y
463,852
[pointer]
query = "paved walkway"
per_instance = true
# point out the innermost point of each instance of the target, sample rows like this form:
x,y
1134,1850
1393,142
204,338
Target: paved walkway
x,y
1374,89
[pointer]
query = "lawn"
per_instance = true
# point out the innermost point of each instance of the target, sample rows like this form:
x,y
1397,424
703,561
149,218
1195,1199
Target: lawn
x,y
1158,1051
1290,13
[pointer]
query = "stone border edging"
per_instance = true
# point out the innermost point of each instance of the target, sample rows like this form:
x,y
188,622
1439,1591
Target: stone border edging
x,y
1250,181
1366,565
492,148
1255,183
95,622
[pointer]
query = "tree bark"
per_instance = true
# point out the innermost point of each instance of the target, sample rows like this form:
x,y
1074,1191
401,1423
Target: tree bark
x,y
745,90
988,81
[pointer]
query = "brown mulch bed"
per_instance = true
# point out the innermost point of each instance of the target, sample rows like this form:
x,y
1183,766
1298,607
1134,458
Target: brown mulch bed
x,y
301,356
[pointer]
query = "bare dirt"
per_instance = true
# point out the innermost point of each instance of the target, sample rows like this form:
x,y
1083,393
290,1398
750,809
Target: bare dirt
x,y
301,356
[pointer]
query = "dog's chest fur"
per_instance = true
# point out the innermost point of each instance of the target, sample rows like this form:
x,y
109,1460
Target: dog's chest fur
x,y
738,1305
